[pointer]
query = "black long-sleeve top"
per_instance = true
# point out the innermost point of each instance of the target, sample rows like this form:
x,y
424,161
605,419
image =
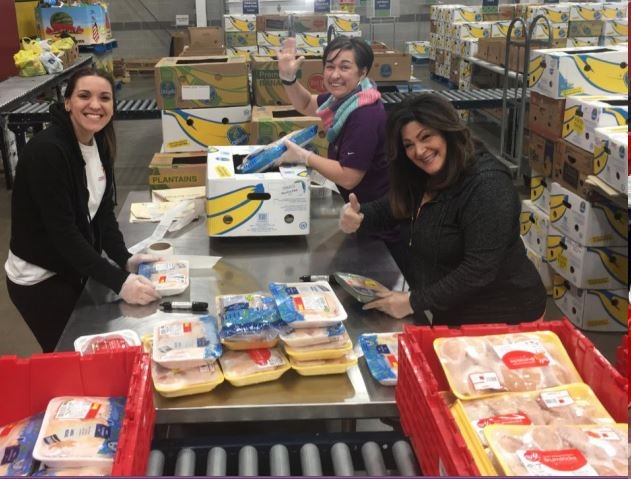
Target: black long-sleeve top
x,y
468,262
50,220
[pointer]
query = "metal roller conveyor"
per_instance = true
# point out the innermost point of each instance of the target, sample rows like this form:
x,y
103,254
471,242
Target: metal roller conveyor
x,y
460,99
329,454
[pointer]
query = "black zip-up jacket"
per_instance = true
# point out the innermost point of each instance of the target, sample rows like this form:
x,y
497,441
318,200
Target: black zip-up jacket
x,y
468,262
50,220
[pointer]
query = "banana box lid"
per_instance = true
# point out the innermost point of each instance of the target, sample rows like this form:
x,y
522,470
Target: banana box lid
x,y
381,351
169,277
297,338
362,288
562,450
478,366
308,304
320,367
242,368
186,342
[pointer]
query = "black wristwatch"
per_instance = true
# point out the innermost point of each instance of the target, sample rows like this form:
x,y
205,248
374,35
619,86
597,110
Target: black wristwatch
x,y
289,82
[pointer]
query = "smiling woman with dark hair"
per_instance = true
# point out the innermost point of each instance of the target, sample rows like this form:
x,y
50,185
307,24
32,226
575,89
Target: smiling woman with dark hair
x,y
62,213
468,263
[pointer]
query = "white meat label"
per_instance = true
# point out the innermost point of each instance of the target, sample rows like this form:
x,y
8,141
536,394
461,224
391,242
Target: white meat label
x,y
486,380
552,399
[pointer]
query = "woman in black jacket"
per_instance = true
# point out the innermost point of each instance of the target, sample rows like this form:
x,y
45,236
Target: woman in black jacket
x,y
468,263
62,213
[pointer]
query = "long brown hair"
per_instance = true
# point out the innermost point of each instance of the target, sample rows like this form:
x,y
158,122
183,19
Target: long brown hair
x,y
408,182
109,135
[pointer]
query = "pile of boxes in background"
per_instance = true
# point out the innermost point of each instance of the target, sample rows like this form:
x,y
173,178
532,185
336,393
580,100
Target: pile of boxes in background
x,y
576,224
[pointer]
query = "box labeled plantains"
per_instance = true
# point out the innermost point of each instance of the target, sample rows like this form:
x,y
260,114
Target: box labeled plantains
x,y
177,170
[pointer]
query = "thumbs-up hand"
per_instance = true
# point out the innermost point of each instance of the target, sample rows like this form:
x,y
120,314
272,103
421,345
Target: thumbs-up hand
x,y
350,216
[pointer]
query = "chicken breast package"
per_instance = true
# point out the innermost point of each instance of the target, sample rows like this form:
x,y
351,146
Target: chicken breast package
x,y
17,440
301,337
114,340
186,342
242,368
381,351
80,431
478,366
185,382
88,471
170,277
594,450
334,350
307,304
320,367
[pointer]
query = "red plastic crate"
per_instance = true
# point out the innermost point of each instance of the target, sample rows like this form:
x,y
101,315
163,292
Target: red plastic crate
x,y
622,356
426,419
29,384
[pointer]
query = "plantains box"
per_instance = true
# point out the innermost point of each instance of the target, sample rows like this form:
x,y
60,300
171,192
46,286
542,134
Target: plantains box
x,y
391,65
177,170
201,82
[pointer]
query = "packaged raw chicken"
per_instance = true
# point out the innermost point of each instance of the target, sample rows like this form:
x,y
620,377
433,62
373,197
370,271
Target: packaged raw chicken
x,y
297,338
113,340
169,276
80,431
593,450
253,366
322,351
308,304
361,288
477,366
248,321
381,354
17,440
565,405
321,367
186,342
88,471
185,382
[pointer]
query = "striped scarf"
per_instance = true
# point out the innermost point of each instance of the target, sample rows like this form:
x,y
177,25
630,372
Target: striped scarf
x,y
335,112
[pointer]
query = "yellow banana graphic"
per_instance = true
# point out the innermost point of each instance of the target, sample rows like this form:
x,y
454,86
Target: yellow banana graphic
x,y
554,16
557,207
537,187
606,76
526,219
616,218
231,210
272,39
555,247
619,115
478,32
621,29
209,132
570,117
536,67
601,155
242,25
616,306
314,40
221,91
344,25
589,13
559,287
468,16
612,13
616,264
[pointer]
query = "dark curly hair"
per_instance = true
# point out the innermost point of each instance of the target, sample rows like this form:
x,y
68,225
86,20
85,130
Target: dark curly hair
x,y
408,182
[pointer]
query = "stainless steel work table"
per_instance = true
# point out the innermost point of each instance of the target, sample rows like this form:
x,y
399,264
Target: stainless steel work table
x,y
250,264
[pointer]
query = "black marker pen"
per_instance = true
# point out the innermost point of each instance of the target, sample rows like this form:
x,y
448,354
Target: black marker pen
x,y
317,277
184,306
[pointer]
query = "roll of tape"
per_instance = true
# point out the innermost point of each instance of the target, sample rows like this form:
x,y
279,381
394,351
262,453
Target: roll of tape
x,y
161,248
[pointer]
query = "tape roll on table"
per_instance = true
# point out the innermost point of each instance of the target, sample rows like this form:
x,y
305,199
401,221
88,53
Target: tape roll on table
x,y
161,248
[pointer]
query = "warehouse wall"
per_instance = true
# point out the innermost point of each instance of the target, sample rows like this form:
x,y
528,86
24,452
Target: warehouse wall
x,y
143,27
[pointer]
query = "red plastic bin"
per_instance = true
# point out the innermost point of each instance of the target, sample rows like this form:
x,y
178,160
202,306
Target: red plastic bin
x,y
29,384
425,417
622,356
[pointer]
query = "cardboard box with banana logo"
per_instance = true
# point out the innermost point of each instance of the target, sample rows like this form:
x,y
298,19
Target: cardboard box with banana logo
x,y
533,227
343,22
540,190
239,23
543,268
562,72
601,223
201,82
585,266
591,309
275,203
269,123
611,156
195,129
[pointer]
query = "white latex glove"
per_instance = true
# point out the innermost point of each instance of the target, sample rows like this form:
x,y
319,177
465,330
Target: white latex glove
x,y
134,261
138,290
288,64
393,303
295,155
350,217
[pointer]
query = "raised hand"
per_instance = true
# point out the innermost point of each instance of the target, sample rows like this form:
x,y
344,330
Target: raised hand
x,y
350,215
288,64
